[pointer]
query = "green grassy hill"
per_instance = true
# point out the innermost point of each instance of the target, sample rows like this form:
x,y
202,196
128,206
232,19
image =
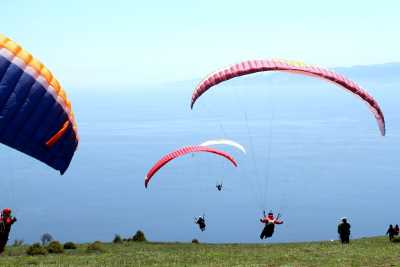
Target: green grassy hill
x,y
377,251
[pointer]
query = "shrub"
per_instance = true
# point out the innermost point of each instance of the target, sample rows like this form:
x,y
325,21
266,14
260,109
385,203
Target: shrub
x,y
117,239
139,237
396,239
36,249
55,247
96,246
195,241
46,239
69,245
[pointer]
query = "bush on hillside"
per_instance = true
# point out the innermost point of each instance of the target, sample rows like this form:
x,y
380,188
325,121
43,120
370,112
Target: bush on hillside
x,y
396,239
117,239
96,246
69,245
55,247
139,237
36,249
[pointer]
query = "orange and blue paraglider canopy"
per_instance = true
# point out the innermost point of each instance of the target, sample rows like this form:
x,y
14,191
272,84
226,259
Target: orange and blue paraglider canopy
x,y
36,116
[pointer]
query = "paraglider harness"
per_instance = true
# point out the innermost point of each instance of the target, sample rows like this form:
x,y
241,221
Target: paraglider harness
x,y
201,221
219,186
269,227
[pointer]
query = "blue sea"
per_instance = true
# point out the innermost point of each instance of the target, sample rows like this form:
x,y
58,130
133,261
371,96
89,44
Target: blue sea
x,y
315,155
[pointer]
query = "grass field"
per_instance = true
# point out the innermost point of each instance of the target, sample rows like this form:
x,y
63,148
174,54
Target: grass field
x,y
377,251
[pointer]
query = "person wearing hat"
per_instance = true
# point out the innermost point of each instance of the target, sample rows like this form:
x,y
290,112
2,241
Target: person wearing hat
x,y
6,220
344,231
269,227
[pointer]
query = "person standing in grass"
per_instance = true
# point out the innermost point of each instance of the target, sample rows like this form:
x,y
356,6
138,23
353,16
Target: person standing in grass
x,y
391,232
344,231
6,220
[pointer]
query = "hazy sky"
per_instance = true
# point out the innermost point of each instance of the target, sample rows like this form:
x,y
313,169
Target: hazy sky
x,y
99,44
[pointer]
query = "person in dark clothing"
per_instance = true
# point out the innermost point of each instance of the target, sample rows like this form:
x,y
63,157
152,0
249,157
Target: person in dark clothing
x,y
344,231
219,187
201,222
391,232
396,229
269,227
6,221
